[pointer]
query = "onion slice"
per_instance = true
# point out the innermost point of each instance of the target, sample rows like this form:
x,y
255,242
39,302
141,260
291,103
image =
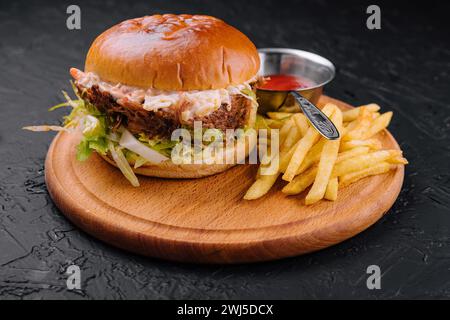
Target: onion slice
x,y
122,164
129,142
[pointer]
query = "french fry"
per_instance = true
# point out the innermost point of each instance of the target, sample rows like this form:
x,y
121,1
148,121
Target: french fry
x,y
265,141
378,124
274,124
327,160
284,131
291,138
289,109
363,123
349,126
300,182
304,180
373,107
313,156
279,115
352,114
261,186
301,122
303,147
261,123
398,160
299,154
352,153
371,143
286,155
307,160
363,161
332,189
283,154
270,162
352,177
268,156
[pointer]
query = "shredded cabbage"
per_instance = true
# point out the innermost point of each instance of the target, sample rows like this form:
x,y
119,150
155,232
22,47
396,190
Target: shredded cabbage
x,y
63,104
44,128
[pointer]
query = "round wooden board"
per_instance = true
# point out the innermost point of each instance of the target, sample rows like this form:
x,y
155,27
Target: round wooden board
x,y
206,220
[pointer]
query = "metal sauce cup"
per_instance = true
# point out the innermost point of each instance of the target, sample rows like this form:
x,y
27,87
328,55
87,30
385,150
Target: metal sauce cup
x,y
294,62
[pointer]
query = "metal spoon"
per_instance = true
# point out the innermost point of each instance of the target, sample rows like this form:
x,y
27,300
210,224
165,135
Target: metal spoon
x,y
316,117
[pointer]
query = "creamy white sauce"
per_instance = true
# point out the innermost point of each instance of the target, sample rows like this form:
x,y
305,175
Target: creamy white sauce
x,y
200,102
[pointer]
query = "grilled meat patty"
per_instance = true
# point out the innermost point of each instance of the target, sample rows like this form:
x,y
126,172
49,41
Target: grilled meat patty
x,y
161,123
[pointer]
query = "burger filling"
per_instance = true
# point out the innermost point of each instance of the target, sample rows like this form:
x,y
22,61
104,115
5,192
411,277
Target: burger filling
x,y
157,113
135,126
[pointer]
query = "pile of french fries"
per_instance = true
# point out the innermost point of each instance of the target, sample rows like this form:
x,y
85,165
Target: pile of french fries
x,y
306,159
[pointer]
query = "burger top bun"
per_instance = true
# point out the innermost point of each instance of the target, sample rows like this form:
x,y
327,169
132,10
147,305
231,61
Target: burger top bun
x,y
173,52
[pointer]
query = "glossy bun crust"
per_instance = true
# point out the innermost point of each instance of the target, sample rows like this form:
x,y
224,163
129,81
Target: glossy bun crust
x,y
173,52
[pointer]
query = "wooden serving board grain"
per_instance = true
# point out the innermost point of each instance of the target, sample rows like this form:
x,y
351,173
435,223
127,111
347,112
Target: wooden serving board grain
x,y
206,220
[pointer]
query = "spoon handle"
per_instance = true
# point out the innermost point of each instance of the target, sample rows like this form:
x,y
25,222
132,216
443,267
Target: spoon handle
x,y
316,117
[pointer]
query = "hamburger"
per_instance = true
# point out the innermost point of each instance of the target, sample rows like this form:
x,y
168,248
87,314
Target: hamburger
x,y
146,78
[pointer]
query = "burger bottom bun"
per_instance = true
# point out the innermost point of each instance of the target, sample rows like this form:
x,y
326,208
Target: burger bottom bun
x,y
168,169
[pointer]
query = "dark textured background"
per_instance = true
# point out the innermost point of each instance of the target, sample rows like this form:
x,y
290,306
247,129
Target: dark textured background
x,y
404,67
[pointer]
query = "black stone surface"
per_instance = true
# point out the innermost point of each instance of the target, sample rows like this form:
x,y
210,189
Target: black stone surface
x,y
405,67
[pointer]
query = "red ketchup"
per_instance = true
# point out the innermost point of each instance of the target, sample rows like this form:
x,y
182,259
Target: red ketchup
x,y
284,82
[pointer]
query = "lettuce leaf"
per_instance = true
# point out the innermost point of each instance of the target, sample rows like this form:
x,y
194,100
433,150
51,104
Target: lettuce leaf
x,y
94,137
83,150
100,145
